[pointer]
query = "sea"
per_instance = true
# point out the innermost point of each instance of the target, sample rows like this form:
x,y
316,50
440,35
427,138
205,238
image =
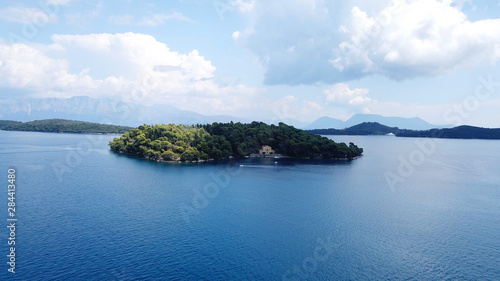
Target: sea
x,y
408,209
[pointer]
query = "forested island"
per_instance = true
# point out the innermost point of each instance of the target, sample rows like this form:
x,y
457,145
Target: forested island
x,y
225,140
363,129
62,126
372,128
460,132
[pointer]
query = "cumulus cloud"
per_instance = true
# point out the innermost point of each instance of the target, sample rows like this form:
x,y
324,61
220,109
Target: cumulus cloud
x,y
420,38
306,42
125,65
24,66
24,15
288,108
341,93
292,39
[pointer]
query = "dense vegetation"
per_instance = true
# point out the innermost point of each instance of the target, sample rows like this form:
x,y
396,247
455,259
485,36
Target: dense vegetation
x,y
369,128
63,126
6,123
460,132
223,140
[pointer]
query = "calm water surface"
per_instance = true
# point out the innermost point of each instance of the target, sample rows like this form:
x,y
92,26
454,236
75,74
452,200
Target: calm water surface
x,y
409,209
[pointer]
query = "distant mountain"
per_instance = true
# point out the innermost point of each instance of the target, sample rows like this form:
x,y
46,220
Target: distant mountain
x,y
414,123
326,123
103,111
112,111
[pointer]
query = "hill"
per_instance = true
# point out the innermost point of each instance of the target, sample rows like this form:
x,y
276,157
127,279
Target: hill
x,y
363,129
224,140
326,123
63,126
6,123
372,128
460,132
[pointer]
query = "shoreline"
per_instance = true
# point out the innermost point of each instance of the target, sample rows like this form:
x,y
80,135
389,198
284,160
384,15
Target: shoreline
x,y
232,157
75,133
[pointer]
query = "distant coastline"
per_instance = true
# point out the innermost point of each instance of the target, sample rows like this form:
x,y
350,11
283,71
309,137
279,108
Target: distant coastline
x,y
62,126
373,128
362,129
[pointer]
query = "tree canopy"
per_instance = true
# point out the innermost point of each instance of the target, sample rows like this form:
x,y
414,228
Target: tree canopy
x,y
63,126
372,128
224,140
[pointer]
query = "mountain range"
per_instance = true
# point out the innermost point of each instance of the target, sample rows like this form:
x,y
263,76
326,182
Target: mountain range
x,y
102,110
414,123
112,111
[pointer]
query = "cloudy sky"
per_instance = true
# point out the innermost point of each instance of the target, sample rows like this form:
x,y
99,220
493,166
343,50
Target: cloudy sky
x,y
281,59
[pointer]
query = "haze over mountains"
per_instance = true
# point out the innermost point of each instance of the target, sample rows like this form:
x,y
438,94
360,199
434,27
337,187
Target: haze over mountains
x,y
117,112
111,111
414,123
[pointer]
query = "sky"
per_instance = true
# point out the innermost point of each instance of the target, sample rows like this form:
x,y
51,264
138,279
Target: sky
x,y
257,59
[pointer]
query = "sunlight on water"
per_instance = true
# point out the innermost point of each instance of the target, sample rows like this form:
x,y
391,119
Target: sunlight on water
x,y
402,211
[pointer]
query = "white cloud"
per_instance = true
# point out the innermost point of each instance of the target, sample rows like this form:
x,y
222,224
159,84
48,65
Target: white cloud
x,y
26,67
402,40
153,20
341,93
287,109
244,6
314,106
26,15
138,63
160,19
420,38
236,35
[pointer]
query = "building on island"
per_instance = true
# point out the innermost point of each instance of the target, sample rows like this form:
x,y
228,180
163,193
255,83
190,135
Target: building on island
x,y
266,149
266,152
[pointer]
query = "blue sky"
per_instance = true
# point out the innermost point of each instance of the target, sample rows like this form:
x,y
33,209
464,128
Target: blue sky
x,y
273,60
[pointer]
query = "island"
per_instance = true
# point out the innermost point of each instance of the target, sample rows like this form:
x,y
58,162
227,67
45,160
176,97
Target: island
x,y
62,126
373,128
216,141
362,129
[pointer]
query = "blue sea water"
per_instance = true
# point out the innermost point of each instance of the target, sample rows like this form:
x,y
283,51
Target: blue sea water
x,y
409,209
